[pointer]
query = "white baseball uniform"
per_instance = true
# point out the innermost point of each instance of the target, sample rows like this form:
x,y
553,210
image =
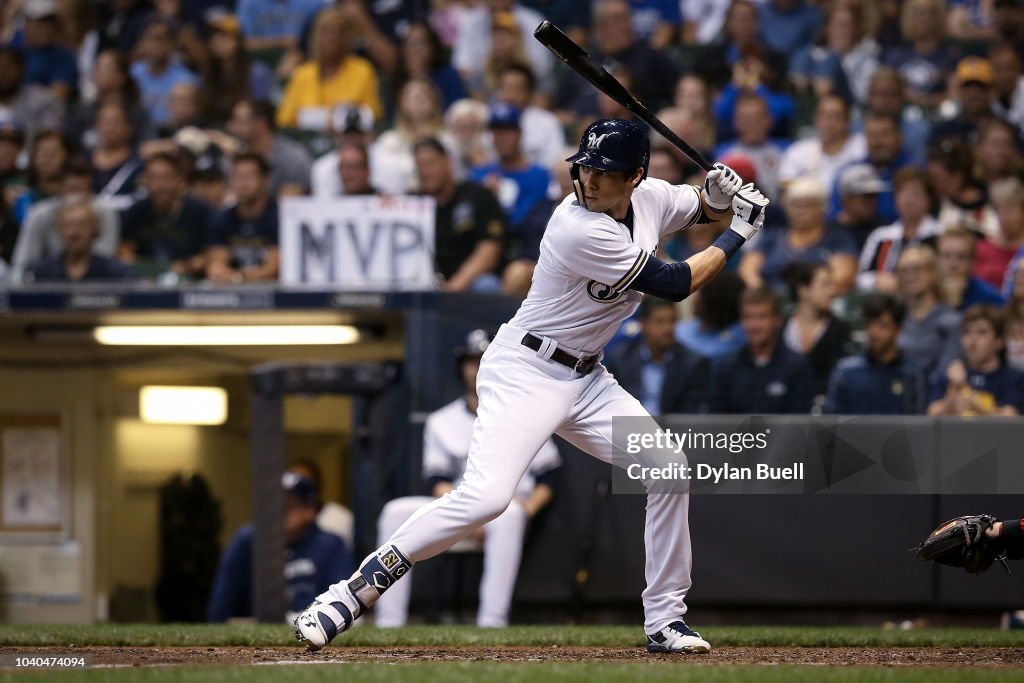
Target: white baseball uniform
x,y
446,442
579,296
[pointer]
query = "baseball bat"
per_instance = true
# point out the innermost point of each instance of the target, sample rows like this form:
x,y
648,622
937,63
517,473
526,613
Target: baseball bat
x,y
582,63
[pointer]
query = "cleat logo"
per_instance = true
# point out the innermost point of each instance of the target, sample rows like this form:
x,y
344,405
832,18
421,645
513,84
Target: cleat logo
x,y
308,621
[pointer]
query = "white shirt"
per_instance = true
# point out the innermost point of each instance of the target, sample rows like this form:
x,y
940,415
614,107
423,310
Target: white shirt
x,y
580,292
806,157
883,246
392,168
473,42
446,440
543,136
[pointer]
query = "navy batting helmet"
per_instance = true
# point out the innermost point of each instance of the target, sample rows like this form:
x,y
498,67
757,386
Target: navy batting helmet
x,y
614,145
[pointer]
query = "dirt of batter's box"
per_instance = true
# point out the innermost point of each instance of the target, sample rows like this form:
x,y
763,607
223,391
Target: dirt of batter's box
x,y
835,656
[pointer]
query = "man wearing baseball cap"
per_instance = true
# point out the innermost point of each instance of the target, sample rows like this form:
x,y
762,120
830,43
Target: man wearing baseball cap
x,y
859,186
975,78
313,557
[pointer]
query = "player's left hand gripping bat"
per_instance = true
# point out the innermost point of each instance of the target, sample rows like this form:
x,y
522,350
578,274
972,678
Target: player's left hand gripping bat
x,y
582,63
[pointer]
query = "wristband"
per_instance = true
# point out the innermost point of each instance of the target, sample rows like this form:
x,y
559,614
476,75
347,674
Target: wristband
x,y
1013,527
730,242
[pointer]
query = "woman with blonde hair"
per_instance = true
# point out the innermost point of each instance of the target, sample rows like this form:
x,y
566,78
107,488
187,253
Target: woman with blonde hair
x,y
417,116
923,25
930,336
333,75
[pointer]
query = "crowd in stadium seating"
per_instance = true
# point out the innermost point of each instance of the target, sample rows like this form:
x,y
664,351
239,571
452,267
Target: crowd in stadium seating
x,y
153,139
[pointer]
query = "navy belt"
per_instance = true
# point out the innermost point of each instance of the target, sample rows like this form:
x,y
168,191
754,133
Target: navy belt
x,y
580,365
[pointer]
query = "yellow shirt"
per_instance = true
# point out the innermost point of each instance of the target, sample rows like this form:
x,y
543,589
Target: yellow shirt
x,y
354,83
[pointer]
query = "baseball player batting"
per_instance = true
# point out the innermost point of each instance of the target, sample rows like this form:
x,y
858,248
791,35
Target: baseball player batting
x,y
543,375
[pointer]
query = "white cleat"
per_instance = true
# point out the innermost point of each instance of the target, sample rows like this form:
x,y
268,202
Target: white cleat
x,y
321,622
677,637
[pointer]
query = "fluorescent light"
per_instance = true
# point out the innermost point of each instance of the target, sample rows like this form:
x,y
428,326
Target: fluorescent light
x,y
225,335
183,405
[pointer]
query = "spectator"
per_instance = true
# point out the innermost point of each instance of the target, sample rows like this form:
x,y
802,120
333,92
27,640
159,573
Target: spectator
x,y
703,20
715,330
507,47
290,166
995,252
764,377
377,27
753,120
833,147
115,166
929,335
13,180
467,137
693,97
886,154
858,187
334,75
543,135
469,223
473,42
48,62
881,381
811,330
418,116
78,227
39,238
230,74
698,133
758,74
615,42
165,231
422,55
271,25
887,97
122,25
788,25
806,238
974,99
47,154
996,153
656,21
738,40
927,58
348,125
157,72
981,384
446,442
315,557
113,82
1013,283
1008,84
661,373
31,106
517,183
962,199
1009,21
960,288
210,183
183,110
1015,328
971,20
849,36
9,234
242,245
916,201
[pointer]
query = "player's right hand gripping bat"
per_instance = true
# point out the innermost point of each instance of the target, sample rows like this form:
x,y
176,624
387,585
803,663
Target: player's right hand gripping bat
x,y
582,63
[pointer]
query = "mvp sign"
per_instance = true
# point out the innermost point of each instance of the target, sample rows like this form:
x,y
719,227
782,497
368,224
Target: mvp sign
x,y
380,243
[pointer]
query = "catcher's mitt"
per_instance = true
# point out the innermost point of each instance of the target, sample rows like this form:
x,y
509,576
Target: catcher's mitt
x,y
962,542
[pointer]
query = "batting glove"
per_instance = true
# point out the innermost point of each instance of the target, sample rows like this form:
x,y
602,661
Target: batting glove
x,y
720,185
748,206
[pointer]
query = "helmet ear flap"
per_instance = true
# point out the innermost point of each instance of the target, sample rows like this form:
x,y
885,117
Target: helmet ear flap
x,y
577,186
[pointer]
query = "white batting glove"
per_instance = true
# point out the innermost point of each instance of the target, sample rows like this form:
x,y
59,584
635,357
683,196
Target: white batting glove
x,y
720,185
748,206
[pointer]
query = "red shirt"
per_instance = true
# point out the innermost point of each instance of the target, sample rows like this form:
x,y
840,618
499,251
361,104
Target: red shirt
x,y
991,262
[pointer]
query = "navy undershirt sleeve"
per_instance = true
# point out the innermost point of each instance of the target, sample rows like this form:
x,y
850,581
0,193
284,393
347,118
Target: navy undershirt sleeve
x,y
665,280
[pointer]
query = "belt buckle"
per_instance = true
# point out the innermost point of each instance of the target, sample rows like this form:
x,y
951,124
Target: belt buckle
x,y
583,365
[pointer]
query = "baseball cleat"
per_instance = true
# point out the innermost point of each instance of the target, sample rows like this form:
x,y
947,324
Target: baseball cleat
x,y
321,622
677,637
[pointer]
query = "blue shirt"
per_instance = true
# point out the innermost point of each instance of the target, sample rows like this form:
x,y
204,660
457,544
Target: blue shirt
x,y
710,344
247,239
924,73
862,386
276,18
783,385
1004,386
778,253
520,189
156,88
49,64
788,31
980,292
647,14
312,564
100,268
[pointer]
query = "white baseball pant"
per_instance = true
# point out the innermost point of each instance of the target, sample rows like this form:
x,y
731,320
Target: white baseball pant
x,y
503,547
524,399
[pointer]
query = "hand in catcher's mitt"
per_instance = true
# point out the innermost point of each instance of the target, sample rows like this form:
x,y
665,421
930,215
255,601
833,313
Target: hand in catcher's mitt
x,y
962,542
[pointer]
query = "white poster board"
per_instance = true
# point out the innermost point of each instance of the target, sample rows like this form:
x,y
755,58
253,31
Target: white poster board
x,y
371,243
